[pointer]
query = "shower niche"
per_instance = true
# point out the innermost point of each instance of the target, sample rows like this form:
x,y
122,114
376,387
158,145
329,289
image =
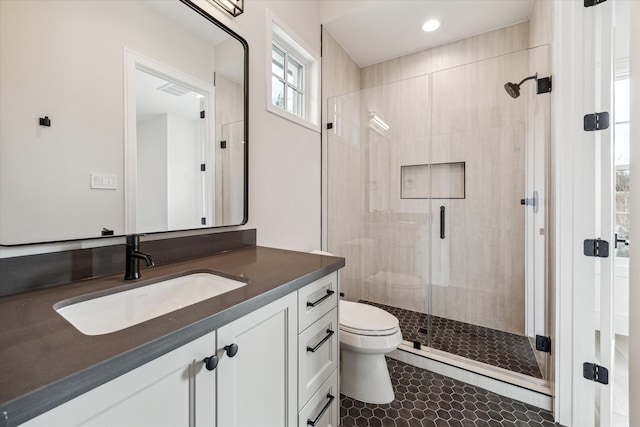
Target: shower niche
x,y
433,181
426,210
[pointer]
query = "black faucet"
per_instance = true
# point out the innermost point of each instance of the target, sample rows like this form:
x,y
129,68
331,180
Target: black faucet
x,y
133,257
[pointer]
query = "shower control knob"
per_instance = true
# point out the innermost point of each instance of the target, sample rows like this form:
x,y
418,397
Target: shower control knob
x,y
211,362
231,349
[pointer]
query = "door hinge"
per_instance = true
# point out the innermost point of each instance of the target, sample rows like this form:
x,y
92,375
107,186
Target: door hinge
x,y
543,343
223,144
544,85
596,373
596,247
596,121
203,167
203,221
202,114
589,3
329,125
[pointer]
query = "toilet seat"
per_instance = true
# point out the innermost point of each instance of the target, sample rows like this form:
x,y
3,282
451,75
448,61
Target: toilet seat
x,y
367,320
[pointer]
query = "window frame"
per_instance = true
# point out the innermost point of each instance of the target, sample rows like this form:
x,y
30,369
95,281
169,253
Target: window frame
x,y
286,41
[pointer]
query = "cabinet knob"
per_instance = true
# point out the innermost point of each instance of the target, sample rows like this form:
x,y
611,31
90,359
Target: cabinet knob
x,y
211,362
231,349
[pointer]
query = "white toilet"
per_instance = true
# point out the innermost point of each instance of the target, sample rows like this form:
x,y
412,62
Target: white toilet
x,y
367,333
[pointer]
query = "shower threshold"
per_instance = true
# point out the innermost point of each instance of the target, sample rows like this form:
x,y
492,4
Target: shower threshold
x,y
501,355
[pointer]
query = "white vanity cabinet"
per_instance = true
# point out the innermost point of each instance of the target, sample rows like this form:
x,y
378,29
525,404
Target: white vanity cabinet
x,y
277,367
172,390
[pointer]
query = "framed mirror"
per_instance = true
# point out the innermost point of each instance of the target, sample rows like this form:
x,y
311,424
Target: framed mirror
x,y
119,117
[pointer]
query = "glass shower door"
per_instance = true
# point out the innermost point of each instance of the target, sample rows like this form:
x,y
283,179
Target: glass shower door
x,y
378,206
488,294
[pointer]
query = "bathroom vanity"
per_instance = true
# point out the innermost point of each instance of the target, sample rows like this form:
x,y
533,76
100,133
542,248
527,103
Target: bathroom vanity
x,y
263,354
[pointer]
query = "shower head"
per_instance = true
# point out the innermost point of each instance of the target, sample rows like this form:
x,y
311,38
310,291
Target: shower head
x,y
513,89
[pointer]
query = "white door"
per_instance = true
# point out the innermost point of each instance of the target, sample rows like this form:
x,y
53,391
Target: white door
x,y
605,307
257,372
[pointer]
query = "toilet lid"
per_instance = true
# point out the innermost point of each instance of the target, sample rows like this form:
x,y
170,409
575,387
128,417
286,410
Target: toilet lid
x,y
364,319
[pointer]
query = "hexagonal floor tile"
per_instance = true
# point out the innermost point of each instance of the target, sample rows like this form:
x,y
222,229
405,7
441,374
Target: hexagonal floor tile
x,y
455,404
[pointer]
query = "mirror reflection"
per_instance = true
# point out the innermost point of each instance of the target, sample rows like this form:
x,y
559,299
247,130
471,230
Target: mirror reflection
x,y
146,103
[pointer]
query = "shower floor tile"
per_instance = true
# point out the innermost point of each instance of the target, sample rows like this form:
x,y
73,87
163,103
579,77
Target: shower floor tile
x,y
423,398
486,345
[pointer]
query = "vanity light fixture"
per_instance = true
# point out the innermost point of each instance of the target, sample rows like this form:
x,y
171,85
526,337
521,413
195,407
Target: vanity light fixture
x,y
232,7
431,25
377,120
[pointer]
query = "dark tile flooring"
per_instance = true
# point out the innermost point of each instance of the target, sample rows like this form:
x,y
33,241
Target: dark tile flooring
x,y
423,398
490,346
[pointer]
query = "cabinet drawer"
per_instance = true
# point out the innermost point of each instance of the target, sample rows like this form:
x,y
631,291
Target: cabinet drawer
x,y
317,355
323,407
317,299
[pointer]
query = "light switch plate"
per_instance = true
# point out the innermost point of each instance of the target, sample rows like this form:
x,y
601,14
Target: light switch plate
x,y
104,181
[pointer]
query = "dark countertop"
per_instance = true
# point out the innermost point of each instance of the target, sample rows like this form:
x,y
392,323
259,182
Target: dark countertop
x,y
45,361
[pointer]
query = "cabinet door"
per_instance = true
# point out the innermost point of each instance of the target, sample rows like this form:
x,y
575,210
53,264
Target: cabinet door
x,y
159,393
258,385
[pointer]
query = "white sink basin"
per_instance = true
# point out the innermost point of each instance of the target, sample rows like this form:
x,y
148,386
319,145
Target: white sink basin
x,y
116,311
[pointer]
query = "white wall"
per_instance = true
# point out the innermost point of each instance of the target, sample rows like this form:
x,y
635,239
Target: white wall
x,y
284,158
151,191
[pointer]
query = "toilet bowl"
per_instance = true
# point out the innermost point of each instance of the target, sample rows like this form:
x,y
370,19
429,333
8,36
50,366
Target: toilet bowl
x,y
367,333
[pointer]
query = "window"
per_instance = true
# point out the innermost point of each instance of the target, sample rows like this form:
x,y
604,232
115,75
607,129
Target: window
x,y
621,132
287,81
293,79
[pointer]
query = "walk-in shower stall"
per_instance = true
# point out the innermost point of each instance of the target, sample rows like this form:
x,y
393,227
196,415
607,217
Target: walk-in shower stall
x,y
436,197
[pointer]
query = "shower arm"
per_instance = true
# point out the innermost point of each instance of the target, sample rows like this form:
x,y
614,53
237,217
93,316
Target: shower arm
x,y
535,76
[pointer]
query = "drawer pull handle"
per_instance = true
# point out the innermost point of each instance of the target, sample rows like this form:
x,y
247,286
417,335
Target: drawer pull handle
x,y
324,340
328,295
324,409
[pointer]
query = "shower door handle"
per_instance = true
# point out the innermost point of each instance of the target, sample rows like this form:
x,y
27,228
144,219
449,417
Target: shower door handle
x,y
531,202
442,222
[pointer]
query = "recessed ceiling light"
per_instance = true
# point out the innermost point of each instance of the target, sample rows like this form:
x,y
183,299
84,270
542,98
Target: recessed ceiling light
x,y
431,25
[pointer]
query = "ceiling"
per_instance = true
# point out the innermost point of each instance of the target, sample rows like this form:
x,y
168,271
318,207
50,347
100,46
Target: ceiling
x,y
373,31
152,102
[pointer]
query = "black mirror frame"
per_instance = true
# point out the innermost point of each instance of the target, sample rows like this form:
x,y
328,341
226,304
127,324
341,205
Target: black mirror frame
x,y
245,218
